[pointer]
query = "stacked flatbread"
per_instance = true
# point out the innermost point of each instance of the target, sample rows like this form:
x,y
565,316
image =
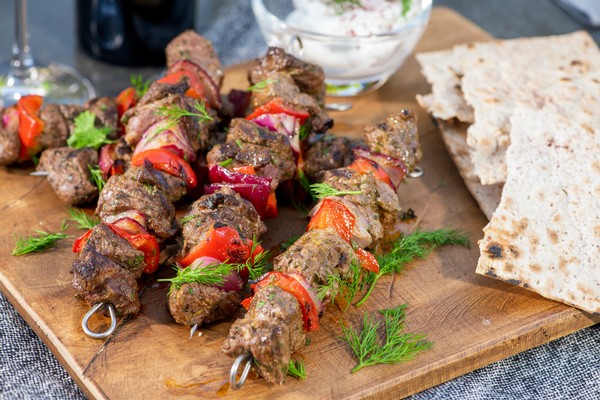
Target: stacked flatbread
x,y
533,111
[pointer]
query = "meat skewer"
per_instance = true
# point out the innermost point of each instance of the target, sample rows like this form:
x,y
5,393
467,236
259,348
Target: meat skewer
x,y
307,276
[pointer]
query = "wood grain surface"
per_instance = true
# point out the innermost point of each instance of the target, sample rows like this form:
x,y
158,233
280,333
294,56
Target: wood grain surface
x,y
472,320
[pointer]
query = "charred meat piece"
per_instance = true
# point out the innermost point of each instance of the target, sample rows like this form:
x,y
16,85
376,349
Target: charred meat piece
x,y
56,127
158,90
224,207
310,78
317,255
398,137
173,187
69,112
106,269
10,144
375,196
69,173
197,49
271,331
105,110
197,304
123,193
282,86
330,152
249,144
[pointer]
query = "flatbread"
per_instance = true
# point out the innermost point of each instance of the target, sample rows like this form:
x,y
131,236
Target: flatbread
x,y
545,234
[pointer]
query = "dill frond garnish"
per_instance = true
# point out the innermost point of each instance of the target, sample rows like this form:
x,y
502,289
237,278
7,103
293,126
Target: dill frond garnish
x,y
82,219
416,245
322,190
296,369
36,243
396,347
174,113
139,84
97,177
211,274
258,86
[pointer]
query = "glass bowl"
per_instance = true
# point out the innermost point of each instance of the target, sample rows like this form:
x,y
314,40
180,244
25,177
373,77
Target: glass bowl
x,y
352,64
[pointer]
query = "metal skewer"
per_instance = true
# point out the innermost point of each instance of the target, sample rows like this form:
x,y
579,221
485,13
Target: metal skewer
x,y
417,172
342,106
39,173
92,311
193,330
235,384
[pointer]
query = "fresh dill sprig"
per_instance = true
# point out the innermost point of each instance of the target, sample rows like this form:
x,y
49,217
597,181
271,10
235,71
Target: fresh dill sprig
x,y
257,264
258,86
225,163
86,134
97,176
175,113
397,346
322,190
187,218
345,287
82,219
161,127
139,84
39,242
210,274
239,143
296,369
416,245
304,132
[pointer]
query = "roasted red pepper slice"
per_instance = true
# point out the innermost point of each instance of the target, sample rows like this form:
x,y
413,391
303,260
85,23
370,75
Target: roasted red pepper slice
x,y
143,242
336,215
126,100
195,88
367,260
168,162
246,302
30,125
365,166
310,314
223,243
81,241
278,106
271,208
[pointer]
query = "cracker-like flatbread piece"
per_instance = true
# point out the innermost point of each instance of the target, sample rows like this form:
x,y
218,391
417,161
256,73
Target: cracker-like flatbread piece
x,y
545,234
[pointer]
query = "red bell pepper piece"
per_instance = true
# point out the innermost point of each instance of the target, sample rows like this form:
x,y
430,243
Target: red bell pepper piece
x,y
310,313
81,241
126,100
244,169
271,208
30,125
365,166
167,161
143,242
278,106
223,243
336,215
367,260
246,302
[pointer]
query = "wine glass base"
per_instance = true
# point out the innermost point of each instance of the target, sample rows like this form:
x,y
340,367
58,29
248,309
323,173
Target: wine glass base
x,y
57,83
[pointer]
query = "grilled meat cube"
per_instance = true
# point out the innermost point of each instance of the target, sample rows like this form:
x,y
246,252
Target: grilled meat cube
x,y
271,330
105,110
69,112
375,196
69,173
310,78
10,144
397,136
56,127
317,255
195,303
139,119
122,193
106,269
249,144
223,207
282,86
328,153
158,90
190,46
173,187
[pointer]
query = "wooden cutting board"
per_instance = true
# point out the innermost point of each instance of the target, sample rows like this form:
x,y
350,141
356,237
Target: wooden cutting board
x,y
472,320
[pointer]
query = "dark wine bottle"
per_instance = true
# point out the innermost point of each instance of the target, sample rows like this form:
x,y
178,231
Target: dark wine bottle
x,y
131,32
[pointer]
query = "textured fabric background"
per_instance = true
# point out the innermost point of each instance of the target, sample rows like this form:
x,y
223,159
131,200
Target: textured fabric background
x,y
567,368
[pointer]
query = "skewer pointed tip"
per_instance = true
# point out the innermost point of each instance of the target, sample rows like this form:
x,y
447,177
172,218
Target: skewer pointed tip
x,y
39,173
193,330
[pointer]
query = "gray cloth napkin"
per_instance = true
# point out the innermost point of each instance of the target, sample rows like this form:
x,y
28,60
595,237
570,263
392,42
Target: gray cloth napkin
x,y
586,12
567,368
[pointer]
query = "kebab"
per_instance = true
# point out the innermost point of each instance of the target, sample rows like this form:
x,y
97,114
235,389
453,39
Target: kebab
x,y
136,208
221,228
360,202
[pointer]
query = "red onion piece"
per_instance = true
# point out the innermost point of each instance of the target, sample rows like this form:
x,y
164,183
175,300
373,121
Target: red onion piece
x,y
232,282
130,225
394,167
258,195
218,174
312,292
131,214
172,137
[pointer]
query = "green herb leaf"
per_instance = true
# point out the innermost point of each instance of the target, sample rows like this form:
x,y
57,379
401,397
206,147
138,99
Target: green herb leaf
x,y
397,346
305,131
416,245
86,134
36,243
211,274
258,86
139,84
345,287
322,190
82,219
225,163
187,218
97,177
406,4
296,369
174,113
256,265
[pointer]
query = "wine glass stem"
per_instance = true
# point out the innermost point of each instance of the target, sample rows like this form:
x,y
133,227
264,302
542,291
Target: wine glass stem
x,y
22,59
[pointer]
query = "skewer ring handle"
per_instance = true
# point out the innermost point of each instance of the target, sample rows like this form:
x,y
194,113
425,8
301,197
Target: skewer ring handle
x,y
93,310
235,384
